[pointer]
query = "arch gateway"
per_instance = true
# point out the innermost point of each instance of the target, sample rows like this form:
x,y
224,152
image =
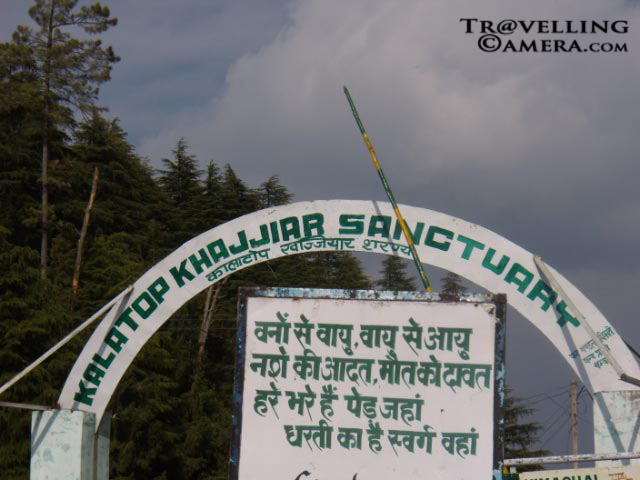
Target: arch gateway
x,y
469,250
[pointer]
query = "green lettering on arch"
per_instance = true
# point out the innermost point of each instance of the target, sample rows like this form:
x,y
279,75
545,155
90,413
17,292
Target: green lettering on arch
x,y
93,374
439,244
141,310
104,362
497,269
115,339
290,227
566,317
313,225
179,274
85,394
520,276
159,287
470,244
379,225
545,293
198,262
217,249
264,237
351,224
126,318
242,246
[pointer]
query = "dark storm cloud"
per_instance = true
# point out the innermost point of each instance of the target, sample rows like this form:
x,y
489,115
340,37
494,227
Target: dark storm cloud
x,y
175,56
534,139
541,148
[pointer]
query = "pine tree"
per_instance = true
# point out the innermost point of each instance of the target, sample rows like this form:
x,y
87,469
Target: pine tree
x,y
210,210
167,424
334,270
128,209
212,183
519,436
394,275
20,148
127,194
181,183
272,193
452,286
146,434
237,198
67,73
31,320
181,178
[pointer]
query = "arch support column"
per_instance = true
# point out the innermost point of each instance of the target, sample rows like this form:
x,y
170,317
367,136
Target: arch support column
x,y
66,445
616,424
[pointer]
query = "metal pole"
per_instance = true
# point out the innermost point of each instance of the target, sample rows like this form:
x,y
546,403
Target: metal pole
x,y
583,321
387,189
574,420
588,457
24,406
62,342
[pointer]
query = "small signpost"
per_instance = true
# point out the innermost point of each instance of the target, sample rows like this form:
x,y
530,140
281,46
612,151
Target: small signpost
x,y
335,384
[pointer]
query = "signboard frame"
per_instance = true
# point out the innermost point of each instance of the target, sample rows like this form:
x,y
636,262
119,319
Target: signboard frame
x,y
498,300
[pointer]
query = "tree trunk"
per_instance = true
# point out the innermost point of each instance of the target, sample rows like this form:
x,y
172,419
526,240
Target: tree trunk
x,y
209,307
44,243
81,240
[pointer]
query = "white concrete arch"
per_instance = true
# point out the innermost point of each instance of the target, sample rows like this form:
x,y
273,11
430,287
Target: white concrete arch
x,y
469,250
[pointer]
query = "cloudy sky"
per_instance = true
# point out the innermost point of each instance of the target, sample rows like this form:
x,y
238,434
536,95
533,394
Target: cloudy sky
x,y
539,147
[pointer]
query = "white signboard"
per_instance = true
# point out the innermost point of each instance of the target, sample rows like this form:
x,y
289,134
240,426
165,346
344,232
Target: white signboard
x,y
614,473
333,387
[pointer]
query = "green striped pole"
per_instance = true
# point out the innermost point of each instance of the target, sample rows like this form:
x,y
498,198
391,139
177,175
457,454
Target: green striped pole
x,y
387,189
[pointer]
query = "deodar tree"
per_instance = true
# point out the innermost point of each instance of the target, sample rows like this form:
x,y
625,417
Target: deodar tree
x,y
394,275
68,72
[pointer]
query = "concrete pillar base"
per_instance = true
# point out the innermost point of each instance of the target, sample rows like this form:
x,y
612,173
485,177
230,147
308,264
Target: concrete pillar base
x,y
66,446
616,425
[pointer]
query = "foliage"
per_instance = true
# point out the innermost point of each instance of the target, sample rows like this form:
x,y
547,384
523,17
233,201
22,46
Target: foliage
x,y
452,285
180,179
519,435
394,275
68,70
171,419
63,73
271,193
235,195
31,320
